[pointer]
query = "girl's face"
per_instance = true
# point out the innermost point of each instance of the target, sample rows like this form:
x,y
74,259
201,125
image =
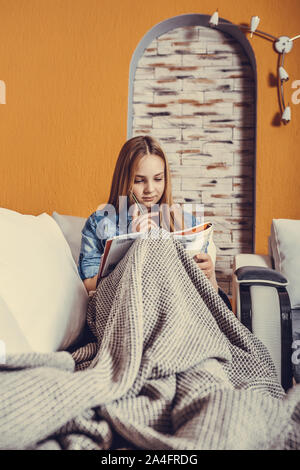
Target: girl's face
x,y
149,180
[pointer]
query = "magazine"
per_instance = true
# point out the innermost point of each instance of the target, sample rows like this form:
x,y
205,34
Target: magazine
x,y
194,239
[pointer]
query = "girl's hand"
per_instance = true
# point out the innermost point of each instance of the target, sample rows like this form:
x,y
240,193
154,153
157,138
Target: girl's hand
x,y
205,263
144,222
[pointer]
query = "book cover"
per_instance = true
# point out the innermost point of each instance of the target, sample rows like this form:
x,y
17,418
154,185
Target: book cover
x,y
194,239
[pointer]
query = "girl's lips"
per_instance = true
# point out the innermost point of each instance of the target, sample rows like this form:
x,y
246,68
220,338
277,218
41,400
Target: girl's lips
x,y
148,198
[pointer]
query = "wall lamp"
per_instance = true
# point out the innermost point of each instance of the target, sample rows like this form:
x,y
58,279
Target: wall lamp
x,y
282,45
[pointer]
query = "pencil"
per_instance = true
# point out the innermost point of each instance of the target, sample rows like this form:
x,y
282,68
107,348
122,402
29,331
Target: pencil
x,y
138,204
140,208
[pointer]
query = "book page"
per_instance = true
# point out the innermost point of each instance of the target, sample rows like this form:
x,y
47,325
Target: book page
x,y
195,240
115,249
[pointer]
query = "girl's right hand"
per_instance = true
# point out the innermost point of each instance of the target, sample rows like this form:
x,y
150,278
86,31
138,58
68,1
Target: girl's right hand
x,y
144,222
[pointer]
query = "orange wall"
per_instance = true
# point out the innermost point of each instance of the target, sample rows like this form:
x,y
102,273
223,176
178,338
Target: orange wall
x,y
66,66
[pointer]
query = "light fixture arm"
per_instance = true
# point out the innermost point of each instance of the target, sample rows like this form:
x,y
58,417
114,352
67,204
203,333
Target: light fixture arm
x,y
266,34
282,46
248,28
295,37
281,85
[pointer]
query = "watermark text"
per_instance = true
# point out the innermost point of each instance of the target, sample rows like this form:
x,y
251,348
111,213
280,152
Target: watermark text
x,y
184,216
2,352
296,94
296,354
2,92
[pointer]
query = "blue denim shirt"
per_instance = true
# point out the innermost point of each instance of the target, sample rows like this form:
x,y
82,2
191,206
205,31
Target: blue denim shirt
x,y
97,229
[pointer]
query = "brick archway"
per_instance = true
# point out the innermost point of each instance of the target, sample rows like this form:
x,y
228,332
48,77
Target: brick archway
x,y
194,89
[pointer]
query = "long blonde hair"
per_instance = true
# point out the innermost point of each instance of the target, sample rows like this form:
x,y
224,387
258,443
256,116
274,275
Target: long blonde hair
x,y
123,178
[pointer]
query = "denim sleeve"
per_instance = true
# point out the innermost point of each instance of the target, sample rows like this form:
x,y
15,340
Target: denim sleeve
x,y
195,221
91,250
190,220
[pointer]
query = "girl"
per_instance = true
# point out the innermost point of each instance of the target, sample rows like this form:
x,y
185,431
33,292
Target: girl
x,y
141,174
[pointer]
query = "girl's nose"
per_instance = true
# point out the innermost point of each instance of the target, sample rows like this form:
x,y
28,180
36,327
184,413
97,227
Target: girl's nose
x,y
149,187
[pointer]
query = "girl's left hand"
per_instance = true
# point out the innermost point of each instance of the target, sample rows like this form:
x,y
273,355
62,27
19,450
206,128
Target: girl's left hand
x,y
205,263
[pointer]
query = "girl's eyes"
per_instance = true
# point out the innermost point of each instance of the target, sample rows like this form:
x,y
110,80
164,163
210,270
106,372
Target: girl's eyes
x,y
141,181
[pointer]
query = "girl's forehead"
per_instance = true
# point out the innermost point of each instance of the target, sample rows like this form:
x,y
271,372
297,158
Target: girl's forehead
x,y
151,164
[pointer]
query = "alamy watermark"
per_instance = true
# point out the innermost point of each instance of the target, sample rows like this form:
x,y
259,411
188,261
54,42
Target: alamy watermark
x,y
2,352
296,353
108,225
296,94
2,92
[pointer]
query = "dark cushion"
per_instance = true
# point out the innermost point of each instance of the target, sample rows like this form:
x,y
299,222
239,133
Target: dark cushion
x,y
260,275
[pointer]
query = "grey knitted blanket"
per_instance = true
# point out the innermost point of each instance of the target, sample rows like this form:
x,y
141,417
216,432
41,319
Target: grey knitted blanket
x,y
166,365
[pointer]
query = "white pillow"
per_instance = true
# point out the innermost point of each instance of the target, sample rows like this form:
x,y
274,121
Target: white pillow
x,y
39,282
71,226
11,336
285,243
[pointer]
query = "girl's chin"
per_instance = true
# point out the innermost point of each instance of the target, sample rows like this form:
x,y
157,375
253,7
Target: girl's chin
x,y
149,203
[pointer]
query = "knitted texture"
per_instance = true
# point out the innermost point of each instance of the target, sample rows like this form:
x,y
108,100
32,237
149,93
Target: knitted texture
x,y
166,366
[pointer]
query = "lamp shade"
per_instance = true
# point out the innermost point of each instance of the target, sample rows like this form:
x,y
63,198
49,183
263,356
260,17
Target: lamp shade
x,y
286,115
283,75
254,23
214,19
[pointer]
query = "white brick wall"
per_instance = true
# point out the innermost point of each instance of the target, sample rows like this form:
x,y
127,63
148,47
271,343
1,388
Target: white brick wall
x,y
194,92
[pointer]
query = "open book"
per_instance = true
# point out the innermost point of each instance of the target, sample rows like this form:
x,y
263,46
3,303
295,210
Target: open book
x,y
195,240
